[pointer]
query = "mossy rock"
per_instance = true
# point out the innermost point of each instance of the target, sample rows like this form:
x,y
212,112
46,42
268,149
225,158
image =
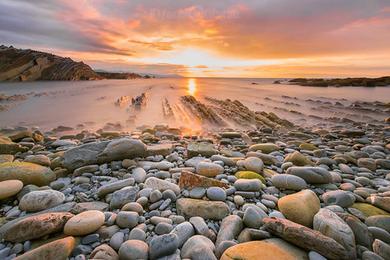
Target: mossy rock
x,y
249,175
369,210
308,146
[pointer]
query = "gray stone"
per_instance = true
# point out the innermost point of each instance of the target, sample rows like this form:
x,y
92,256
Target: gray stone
x,y
123,148
139,175
200,226
163,245
380,233
231,227
89,239
183,231
216,193
209,169
155,196
169,194
223,246
253,217
312,175
198,248
197,192
82,155
133,250
161,185
137,234
381,221
200,148
253,164
163,228
338,197
331,225
248,185
41,200
288,182
117,240
123,196
313,255
114,186
127,219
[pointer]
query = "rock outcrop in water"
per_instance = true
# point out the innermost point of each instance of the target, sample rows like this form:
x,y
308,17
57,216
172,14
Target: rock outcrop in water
x,y
347,82
120,75
30,65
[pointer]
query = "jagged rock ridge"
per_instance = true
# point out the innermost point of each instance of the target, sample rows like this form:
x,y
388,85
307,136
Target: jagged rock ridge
x,y
30,65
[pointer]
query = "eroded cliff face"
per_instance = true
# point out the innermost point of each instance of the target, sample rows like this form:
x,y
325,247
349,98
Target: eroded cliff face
x,y
30,65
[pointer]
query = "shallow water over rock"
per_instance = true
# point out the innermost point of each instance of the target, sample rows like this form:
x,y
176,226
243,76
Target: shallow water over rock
x,y
195,103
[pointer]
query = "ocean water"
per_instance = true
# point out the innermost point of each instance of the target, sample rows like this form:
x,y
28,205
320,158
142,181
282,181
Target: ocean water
x,y
91,104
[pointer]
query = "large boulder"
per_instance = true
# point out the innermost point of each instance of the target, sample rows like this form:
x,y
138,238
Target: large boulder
x,y
273,248
101,152
300,207
82,155
123,148
28,173
331,225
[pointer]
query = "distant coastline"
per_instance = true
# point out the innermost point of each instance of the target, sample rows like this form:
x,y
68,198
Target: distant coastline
x,y
341,82
30,65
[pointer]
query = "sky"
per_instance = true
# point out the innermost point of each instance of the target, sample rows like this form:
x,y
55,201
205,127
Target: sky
x,y
220,38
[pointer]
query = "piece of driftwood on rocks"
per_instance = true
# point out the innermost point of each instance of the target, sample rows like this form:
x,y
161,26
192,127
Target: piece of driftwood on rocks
x,y
305,237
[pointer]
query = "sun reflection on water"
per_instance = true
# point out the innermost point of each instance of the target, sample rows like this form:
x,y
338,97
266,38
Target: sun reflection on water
x,y
191,84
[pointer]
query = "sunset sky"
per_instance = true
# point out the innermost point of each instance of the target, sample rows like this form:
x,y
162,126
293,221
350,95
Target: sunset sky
x,y
254,38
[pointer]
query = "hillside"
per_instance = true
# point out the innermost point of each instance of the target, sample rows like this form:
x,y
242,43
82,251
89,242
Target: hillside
x,y
30,65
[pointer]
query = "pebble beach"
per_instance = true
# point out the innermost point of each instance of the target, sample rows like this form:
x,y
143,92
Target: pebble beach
x,y
158,193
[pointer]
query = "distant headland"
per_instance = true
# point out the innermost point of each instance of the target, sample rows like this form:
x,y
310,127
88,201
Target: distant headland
x,y
30,65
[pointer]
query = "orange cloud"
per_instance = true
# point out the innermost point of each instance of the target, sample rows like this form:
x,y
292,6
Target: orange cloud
x,y
212,38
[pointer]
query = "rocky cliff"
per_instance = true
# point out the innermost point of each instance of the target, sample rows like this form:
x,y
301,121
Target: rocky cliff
x,y
30,65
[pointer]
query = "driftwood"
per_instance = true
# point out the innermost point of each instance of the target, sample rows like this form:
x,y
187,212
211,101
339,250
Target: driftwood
x,y
305,237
